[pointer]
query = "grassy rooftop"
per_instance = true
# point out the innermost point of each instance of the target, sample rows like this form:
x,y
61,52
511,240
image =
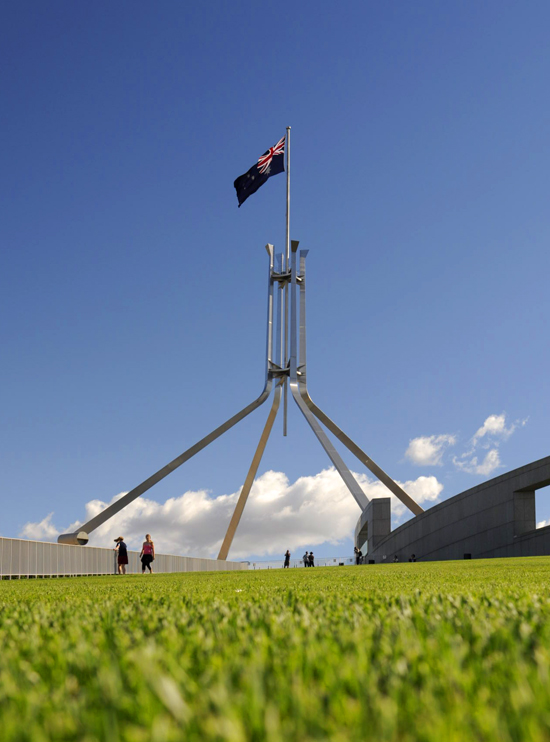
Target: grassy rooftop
x,y
426,651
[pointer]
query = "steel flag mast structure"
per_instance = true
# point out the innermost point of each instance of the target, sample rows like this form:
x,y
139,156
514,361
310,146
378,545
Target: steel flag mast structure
x,y
285,370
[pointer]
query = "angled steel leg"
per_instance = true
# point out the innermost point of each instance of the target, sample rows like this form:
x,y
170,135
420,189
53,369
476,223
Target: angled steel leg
x,y
406,499
81,537
349,480
249,481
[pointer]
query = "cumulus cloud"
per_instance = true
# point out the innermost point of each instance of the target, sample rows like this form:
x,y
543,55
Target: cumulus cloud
x,y
279,515
489,436
543,523
421,489
42,531
428,450
494,425
490,463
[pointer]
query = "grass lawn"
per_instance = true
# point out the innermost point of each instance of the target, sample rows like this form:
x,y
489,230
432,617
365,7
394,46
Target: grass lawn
x,y
439,652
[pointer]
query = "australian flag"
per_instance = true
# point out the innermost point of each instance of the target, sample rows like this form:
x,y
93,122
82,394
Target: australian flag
x,y
270,163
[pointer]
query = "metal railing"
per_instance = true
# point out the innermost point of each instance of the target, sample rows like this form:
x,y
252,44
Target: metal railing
x,y
24,558
298,563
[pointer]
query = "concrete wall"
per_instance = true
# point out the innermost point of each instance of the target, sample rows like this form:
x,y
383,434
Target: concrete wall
x,y
494,519
374,524
23,558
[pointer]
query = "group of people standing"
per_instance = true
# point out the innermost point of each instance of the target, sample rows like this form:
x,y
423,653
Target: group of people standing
x,y
147,554
308,559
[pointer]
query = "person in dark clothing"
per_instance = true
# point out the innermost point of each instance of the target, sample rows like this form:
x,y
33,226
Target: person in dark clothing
x,y
359,557
356,552
122,559
311,559
412,558
305,559
287,558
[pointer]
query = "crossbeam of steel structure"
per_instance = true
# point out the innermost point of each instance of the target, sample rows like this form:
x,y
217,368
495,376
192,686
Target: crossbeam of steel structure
x,y
294,373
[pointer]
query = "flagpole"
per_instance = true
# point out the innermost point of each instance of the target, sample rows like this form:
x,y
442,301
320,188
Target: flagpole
x,y
287,266
287,198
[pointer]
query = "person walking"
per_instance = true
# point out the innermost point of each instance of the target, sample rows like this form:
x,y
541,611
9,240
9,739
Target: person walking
x,y
147,555
287,559
311,559
122,559
305,559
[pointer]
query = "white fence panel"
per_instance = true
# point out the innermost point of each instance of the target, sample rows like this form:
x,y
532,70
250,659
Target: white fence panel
x,y
24,558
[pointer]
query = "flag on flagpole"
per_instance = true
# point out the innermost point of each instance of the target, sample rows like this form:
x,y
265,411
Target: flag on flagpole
x,y
272,162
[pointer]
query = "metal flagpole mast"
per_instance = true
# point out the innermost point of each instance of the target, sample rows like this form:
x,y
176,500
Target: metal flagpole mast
x,y
286,269
287,198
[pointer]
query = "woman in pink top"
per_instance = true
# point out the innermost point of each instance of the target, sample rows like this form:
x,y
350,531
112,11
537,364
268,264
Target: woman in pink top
x,y
147,555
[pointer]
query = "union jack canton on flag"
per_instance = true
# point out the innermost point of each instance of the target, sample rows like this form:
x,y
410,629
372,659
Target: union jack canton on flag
x,y
272,162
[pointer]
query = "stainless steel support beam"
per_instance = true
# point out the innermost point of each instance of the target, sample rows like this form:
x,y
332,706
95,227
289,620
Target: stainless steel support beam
x,y
113,509
348,478
81,537
400,493
78,538
249,481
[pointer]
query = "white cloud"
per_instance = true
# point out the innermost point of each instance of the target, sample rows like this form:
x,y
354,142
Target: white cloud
x,y
421,489
543,523
279,515
489,437
494,426
490,463
42,531
428,450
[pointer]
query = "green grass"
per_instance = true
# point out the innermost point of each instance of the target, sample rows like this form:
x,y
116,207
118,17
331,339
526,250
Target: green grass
x,y
435,652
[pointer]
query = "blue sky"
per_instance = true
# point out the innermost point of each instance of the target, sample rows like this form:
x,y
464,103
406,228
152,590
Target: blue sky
x,y
133,288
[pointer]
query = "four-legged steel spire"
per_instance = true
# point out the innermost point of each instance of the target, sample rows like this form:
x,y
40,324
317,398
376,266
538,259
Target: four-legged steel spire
x,y
293,372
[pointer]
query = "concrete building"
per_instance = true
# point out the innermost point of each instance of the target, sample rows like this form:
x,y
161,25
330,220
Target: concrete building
x,y
494,519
